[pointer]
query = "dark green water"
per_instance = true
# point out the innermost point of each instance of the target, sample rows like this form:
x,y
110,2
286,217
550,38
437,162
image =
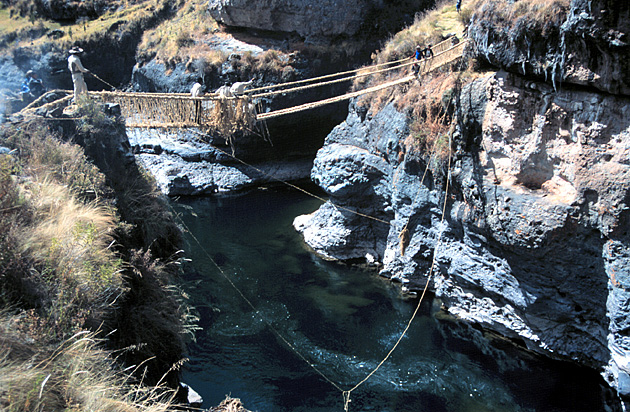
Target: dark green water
x,y
343,320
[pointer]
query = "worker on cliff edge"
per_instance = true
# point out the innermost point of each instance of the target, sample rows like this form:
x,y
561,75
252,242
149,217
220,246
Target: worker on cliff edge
x,y
32,87
76,68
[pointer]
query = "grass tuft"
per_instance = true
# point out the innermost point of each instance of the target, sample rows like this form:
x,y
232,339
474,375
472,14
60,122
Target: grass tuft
x,y
74,375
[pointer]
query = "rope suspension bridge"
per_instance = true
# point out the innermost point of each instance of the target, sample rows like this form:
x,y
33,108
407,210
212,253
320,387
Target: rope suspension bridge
x,y
230,114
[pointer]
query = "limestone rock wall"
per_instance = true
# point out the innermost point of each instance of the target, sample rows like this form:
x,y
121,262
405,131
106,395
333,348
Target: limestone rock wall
x,y
535,240
319,21
586,44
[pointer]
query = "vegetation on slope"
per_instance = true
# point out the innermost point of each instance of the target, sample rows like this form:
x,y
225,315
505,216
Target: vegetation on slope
x,y
430,101
75,375
61,24
73,268
192,37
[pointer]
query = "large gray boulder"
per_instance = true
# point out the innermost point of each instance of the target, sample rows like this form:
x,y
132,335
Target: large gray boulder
x,y
318,21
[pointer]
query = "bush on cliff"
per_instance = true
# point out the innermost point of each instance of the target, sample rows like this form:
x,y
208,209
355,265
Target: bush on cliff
x,y
65,269
430,27
56,243
75,375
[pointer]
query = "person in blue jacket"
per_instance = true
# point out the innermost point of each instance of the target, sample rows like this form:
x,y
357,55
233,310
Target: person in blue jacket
x,y
415,68
32,86
419,53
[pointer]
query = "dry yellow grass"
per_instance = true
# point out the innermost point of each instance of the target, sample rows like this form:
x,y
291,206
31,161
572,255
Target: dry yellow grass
x,y
428,28
177,39
15,26
74,375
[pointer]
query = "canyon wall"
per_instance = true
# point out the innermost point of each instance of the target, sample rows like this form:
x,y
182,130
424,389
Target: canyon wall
x,y
534,243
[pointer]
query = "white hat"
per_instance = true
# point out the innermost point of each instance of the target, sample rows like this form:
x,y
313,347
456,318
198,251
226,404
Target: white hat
x,y
75,50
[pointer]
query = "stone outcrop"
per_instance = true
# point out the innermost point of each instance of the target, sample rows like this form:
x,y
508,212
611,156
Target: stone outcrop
x,y
183,164
319,21
307,18
535,234
534,243
586,44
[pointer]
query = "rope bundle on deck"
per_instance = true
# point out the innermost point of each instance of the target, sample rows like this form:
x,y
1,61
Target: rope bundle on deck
x,y
222,115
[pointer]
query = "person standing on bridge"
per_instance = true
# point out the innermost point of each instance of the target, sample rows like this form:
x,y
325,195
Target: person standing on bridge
x,y
197,91
428,52
76,68
418,56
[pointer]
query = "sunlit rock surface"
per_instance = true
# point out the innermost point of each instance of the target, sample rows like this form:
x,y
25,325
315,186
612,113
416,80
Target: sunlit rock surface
x,y
534,243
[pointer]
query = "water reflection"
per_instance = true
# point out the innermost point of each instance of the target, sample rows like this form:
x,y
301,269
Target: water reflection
x,y
343,320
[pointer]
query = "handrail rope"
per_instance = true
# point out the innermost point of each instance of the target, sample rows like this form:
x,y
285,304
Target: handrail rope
x,y
324,77
33,104
344,79
294,89
426,67
164,96
313,195
47,105
432,63
98,78
330,100
327,76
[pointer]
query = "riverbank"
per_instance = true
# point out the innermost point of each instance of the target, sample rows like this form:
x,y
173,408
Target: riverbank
x,y
88,258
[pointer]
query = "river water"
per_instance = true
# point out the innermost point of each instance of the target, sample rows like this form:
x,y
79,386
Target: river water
x,y
289,331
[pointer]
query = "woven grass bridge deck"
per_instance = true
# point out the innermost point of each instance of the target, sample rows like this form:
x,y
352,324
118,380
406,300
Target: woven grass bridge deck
x,y
228,115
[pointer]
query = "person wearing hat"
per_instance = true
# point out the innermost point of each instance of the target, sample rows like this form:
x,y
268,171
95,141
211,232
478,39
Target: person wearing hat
x,y
419,53
32,86
35,84
77,70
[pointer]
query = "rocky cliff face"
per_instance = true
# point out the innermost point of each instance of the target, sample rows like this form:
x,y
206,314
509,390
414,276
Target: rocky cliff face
x,y
535,240
586,44
321,21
